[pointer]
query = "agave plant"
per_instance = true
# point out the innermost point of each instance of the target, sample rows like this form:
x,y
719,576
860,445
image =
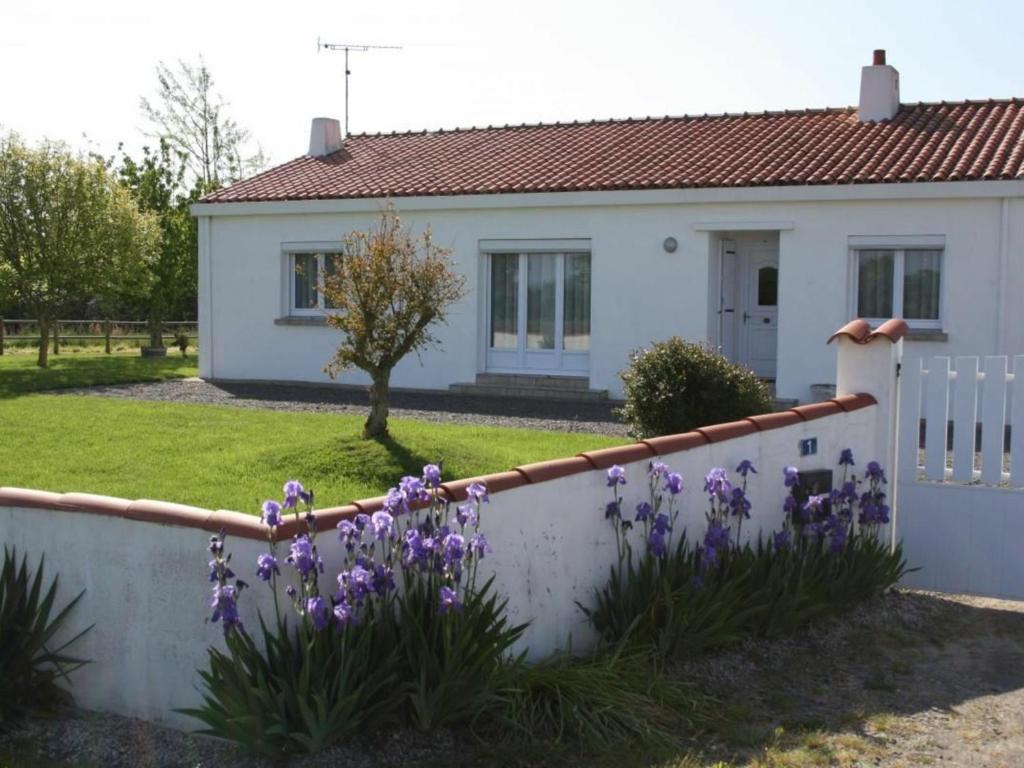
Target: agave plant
x,y
32,661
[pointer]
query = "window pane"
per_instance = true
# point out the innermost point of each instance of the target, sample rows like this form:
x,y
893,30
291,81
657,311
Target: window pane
x,y
305,267
576,313
330,267
921,272
767,287
504,300
874,283
540,301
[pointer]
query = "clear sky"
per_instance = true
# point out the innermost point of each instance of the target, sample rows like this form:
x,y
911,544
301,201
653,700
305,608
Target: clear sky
x,y
73,69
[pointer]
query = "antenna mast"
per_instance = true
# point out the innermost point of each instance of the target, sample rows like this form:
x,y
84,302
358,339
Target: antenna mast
x,y
346,47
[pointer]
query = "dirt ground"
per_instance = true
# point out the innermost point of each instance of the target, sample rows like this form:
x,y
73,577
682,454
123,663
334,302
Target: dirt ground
x,y
917,679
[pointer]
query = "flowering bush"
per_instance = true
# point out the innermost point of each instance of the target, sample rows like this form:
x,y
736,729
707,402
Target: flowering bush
x,y
406,635
720,589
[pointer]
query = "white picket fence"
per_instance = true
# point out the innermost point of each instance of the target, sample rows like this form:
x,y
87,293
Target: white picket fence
x,y
960,506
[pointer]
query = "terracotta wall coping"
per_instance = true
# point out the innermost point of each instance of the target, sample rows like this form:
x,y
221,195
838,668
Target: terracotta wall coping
x,y
859,331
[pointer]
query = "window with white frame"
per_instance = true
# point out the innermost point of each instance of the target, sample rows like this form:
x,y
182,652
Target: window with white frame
x,y
899,282
306,273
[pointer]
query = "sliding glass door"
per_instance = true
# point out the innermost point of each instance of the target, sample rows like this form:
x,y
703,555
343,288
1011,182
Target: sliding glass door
x,y
539,312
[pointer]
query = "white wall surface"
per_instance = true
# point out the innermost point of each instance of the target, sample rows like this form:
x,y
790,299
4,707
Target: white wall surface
x,y
640,293
147,592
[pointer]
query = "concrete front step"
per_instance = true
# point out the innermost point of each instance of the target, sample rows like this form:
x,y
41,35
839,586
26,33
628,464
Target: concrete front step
x,y
538,391
533,380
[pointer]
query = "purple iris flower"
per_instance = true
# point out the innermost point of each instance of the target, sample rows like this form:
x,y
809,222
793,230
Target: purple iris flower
x,y
266,566
292,489
383,579
716,483
290,591
396,501
612,511
674,483
303,556
358,582
466,515
739,503
317,610
643,511
478,492
432,475
781,540
846,457
225,607
662,524
717,538
413,551
383,525
348,534
656,543
814,507
271,513
449,600
875,471
746,466
839,532
658,469
479,546
792,476
362,520
344,614
413,488
454,547
616,476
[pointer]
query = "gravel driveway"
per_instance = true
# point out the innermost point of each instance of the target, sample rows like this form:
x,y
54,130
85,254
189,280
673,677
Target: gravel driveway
x,y
914,679
558,416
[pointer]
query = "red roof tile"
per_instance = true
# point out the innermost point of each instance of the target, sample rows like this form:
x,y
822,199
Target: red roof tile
x,y
962,141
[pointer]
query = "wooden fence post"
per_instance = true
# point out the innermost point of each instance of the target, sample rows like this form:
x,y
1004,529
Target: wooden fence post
x,y
56,337
106,335
1,335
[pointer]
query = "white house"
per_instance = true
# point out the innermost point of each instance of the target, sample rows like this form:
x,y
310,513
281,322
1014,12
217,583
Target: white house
x,y
582,241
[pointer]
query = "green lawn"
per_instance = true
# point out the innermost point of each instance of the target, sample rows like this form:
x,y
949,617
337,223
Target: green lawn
x,y
233,458
82,368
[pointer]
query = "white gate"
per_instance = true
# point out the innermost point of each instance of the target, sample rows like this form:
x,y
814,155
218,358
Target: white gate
x,y
959,500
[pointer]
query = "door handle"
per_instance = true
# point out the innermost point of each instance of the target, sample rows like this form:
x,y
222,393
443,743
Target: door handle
x,y
746,316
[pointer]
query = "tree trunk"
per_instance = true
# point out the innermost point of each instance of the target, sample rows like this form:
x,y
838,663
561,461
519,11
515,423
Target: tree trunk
x,y
376,427
106,336
1,335
44,342
56,337
156,336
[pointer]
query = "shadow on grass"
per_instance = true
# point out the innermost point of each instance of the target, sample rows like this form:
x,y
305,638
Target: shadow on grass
x,y
375,464
20,375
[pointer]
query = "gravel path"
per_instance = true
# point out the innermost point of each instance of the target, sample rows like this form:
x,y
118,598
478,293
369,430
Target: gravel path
x,y
558,416
910,680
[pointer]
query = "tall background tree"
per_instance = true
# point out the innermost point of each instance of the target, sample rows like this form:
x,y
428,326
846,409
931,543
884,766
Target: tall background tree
x,y
156,182
386,292
68,231
192,118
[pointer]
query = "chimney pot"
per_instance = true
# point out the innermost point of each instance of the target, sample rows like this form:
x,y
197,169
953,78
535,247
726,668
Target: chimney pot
x,y
324,136
878,59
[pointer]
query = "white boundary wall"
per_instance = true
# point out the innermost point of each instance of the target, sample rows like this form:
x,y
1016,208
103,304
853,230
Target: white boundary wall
x,y
146,587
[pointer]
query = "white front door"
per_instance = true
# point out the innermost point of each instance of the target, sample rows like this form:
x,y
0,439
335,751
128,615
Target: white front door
x,y
538,314
758,310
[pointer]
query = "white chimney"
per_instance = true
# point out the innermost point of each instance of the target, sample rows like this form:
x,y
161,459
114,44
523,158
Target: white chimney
x,y
324,136
879,90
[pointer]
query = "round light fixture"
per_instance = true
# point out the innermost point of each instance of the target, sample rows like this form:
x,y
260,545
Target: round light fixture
x,y
670,245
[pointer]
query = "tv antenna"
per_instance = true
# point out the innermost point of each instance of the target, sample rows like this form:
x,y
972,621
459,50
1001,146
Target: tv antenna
x,y
346,47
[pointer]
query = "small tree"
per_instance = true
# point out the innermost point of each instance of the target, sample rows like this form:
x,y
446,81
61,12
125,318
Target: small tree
x,y
67,231
385,293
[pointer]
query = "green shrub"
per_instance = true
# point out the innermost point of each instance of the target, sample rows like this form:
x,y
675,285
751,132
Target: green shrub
x,y
31,665
675,386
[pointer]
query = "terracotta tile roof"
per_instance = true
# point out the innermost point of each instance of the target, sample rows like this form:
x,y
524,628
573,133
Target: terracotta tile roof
x,y
963,141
